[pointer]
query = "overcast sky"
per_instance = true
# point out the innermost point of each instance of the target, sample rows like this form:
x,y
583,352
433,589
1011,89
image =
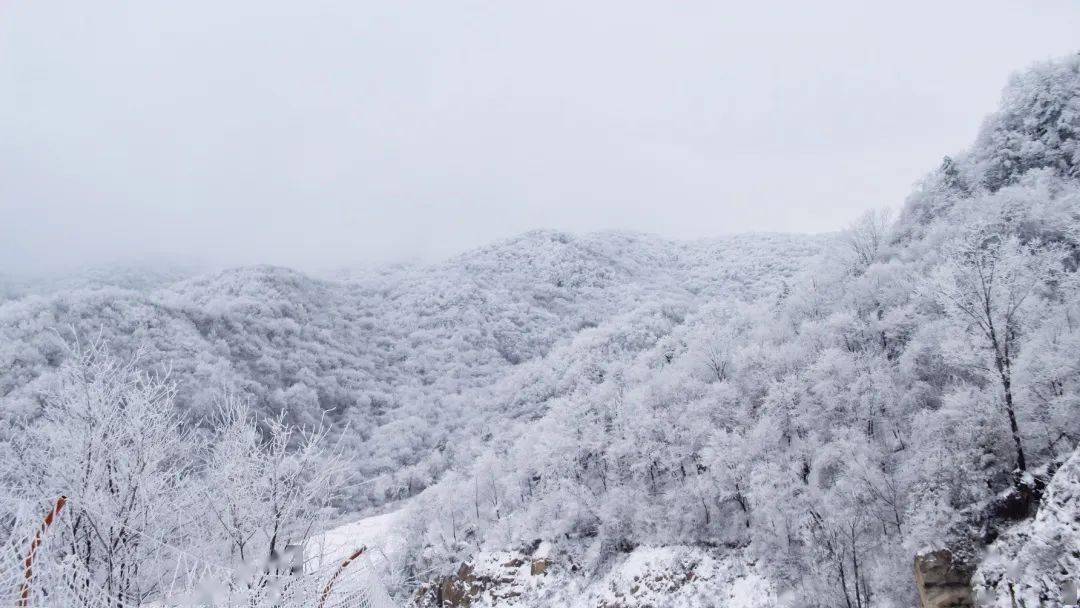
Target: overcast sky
x,y
315,133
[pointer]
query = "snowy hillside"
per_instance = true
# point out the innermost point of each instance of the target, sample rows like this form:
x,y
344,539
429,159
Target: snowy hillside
x,y
397,357
882,401
613,420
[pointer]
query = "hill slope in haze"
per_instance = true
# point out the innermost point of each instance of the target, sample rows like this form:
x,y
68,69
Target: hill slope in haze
x,y
402,358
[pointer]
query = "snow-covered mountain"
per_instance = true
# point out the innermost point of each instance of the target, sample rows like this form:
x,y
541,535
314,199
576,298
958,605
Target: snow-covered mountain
x,y
910,390
397,356
759,419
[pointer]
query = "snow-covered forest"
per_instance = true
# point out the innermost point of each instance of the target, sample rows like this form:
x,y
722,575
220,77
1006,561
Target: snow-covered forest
x,y
810,413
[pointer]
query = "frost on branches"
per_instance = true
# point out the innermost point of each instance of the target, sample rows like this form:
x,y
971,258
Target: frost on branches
x,y
155,506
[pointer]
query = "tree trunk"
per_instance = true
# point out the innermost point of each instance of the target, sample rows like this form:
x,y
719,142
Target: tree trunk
x,y
1006,383
855,575
741,500
843,579
1004,368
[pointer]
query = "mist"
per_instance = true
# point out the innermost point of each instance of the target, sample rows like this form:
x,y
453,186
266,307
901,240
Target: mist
x,y
314,134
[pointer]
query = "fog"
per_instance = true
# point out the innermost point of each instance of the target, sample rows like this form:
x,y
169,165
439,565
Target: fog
x,y
315,134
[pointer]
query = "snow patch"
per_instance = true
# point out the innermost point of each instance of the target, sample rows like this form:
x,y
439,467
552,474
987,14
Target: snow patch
x,y
681,577
381,534
670,576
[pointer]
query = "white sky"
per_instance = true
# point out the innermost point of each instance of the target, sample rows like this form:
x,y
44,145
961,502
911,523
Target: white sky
x,y
315,133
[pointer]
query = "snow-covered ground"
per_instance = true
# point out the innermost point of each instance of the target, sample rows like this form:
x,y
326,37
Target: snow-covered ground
x,y
676,576
379,533
365,575
671,576
679,577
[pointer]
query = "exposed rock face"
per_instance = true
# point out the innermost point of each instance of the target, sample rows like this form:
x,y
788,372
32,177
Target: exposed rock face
x,y
539,566
1037,563
459,589
943,581
1005,511
647,577
500,577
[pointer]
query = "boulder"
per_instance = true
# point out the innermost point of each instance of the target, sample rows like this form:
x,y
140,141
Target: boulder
x,y
539,566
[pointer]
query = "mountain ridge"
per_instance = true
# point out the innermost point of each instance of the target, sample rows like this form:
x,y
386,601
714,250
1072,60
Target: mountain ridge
x,y
390,347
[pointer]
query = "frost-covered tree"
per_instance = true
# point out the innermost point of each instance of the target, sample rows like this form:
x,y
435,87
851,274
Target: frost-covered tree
x,y
154,505
991,283
865,237
1037,126
268,486
109,440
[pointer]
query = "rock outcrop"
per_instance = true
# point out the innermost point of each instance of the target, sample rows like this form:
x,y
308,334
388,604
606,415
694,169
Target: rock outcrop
x,y
1037,563
943,581
498,578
